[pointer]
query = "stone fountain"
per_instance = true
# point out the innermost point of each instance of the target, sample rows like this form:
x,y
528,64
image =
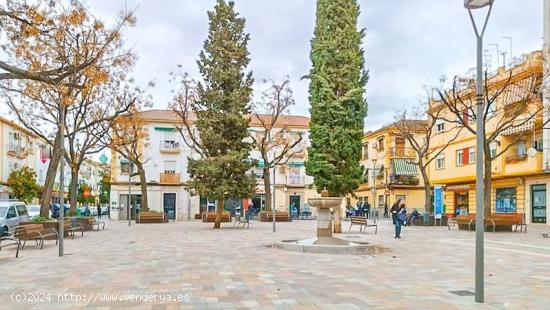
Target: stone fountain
x,y
325,242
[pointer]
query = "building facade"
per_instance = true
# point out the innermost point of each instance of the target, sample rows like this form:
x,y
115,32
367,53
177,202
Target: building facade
x,y
165,166
390,170
520,183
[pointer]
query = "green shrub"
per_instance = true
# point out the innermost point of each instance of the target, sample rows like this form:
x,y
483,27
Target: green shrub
x,y
39,219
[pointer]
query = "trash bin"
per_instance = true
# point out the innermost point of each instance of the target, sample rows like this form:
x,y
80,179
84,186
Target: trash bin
x,y
425,218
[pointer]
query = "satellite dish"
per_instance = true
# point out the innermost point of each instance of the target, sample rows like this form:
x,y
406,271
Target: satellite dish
x,y
531,152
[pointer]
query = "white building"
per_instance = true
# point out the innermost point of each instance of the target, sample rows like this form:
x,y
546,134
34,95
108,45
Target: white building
x,y
166,156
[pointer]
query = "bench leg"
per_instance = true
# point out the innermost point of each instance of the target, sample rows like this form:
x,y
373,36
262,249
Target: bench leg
x,y
24,242
41,244
350,227
17,252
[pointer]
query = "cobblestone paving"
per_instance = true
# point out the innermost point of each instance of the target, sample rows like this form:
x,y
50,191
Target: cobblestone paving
x,y
237,269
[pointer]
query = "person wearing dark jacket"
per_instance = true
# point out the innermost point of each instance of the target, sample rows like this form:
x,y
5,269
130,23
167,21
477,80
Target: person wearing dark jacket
x,y
400,219
394,209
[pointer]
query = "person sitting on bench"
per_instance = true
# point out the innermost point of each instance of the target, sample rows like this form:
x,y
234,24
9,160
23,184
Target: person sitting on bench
x,y
414,215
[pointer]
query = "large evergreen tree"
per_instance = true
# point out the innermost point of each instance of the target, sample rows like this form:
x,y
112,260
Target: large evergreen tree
x,y
336,90
222,109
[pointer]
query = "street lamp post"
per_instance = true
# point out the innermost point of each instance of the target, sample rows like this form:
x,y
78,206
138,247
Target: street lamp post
x,y
374,203
62,182
274,193
480,139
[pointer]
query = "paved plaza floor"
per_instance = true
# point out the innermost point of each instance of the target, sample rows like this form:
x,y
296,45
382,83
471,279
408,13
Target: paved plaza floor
x,y
188,265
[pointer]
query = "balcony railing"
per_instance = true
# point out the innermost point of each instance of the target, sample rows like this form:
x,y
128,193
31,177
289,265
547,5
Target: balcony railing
x,y
170,178
402,152
169,147
16,149
404,180
515,158
297,180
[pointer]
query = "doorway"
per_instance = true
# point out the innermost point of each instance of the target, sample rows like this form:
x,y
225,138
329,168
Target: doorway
x,y
461,203
538,203
169,204
135,205
294,205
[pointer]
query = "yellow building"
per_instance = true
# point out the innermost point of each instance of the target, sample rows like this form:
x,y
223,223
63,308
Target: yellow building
x,y
519,181
390,172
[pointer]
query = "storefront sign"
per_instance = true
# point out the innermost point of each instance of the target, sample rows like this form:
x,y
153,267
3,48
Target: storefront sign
x,y
438,201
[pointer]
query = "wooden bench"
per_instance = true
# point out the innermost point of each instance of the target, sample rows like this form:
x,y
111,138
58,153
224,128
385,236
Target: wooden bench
x,y
210,217
494,221
71,227
363,224
150,217
35,232
280,216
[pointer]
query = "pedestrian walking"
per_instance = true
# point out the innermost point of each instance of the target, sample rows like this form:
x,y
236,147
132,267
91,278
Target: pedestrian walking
x,y
367,208
400,219
386,215
99,211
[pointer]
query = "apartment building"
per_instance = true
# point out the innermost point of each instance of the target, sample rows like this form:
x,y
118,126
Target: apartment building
x,y
166,156
19,148
390,170
520,180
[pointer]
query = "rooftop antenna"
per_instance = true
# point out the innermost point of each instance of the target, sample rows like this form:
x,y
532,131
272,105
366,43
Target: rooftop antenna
x,y
498,53
509,41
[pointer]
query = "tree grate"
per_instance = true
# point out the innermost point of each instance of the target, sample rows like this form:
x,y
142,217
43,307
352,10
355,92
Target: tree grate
x,y
463,293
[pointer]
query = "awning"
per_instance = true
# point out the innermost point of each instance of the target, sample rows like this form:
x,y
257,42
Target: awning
x,y
297,163
527,126
165,128
403,166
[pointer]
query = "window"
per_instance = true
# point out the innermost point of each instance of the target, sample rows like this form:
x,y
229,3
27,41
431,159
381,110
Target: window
x,y
460,157
493,149
439,125
472,155
380,145
170,166
11,213
366,150
22,210
380,200
440,161
521,149
506,199
125,167
537,144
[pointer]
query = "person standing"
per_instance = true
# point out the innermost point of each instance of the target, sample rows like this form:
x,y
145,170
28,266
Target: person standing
x,y
386,215
367,208
99,211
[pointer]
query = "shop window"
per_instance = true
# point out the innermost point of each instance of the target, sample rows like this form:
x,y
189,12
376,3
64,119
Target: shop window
x,y
506,200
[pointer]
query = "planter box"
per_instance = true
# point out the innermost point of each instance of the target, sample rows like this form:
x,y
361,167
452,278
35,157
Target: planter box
x,y
210,217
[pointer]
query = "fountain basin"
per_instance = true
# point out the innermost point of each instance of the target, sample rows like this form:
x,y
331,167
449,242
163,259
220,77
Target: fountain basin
x,y
327,245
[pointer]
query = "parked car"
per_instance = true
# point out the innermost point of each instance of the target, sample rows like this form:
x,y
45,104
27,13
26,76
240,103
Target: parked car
x,y
11,214
34,211
93,210
54,209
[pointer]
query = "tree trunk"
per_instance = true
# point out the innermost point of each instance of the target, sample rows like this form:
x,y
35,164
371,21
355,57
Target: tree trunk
x,y
267,185
47,193
487,185
427,188
143,185
219,211
73,190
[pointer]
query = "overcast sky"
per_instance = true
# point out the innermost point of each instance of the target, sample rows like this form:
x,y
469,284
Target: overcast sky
x,y
408,44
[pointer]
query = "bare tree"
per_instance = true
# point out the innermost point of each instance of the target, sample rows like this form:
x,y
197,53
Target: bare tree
x,y
276,142
129,138
420,133
511,102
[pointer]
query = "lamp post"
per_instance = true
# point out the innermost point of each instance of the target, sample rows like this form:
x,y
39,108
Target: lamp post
x,y
480,139
374,203
62,182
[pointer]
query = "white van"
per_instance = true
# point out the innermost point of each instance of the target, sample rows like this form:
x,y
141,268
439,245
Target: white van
x,y
11,214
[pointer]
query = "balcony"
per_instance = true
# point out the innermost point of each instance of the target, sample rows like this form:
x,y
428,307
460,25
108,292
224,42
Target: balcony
x,y
295,180
170,178
169,147
16,150
403,152
404,180
515,158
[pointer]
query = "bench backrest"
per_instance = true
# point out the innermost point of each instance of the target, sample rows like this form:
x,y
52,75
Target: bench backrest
x,y
28,230
358,219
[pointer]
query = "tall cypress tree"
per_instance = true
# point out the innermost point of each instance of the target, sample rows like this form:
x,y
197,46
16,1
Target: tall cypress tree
x,y
222,110
336,90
